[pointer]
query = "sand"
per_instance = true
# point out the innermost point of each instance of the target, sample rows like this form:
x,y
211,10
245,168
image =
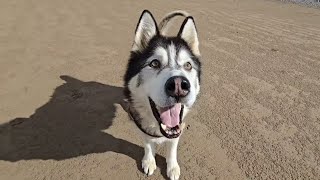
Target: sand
x,y
61,70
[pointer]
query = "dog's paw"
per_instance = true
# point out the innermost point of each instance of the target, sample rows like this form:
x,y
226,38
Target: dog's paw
x,y
173,172
149,165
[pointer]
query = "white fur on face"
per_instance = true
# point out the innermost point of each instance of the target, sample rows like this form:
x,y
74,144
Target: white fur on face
x,y
172,64
161,55
172,55
184,57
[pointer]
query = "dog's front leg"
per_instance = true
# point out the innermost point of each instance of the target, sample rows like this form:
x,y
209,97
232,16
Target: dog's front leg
x,y
148,161
173,169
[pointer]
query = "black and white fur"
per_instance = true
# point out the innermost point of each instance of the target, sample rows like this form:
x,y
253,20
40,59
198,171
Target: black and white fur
x,y
145,85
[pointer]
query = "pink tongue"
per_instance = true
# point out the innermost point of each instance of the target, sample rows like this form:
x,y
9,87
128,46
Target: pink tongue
x,y
170,116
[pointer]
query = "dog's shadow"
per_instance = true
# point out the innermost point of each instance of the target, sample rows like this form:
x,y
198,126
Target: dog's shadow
x,y
69,125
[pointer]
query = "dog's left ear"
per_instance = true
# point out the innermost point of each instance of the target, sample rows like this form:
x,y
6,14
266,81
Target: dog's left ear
x,y
145,31
188,32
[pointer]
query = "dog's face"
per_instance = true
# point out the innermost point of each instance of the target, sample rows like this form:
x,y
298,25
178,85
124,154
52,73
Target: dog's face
x,y
163,73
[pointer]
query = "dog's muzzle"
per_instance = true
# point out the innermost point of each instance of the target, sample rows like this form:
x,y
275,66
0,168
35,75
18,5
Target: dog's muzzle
x,y
177,87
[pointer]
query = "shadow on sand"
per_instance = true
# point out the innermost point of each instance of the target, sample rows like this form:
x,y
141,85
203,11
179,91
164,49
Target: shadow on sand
x,y
69,125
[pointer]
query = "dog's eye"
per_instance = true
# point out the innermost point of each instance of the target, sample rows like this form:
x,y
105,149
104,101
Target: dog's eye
x,y
155,64
187,66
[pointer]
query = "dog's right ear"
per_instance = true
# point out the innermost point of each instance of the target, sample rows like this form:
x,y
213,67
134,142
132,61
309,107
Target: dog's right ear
x,y
146,29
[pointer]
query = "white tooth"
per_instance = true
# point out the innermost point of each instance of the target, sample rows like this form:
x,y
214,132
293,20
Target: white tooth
x,y
164,127
170,132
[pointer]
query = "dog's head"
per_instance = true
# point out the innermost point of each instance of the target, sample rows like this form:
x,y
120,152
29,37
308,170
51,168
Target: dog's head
x,y
163,76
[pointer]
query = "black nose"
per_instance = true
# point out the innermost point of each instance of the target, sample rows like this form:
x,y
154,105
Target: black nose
x,y
177,86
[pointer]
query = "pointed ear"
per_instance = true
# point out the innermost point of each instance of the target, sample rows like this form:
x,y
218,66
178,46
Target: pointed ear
x,y
146,29
188,32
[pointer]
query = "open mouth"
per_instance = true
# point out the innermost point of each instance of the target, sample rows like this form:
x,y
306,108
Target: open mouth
x,y
169,118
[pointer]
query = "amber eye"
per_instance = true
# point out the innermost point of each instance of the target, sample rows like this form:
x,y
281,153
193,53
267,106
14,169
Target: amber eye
x,y
187,66
155,64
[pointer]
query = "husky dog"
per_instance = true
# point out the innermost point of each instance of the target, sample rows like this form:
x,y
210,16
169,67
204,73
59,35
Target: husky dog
x,y
161,84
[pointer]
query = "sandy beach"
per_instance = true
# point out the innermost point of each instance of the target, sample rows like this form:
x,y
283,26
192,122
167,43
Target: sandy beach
x,y
61,70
